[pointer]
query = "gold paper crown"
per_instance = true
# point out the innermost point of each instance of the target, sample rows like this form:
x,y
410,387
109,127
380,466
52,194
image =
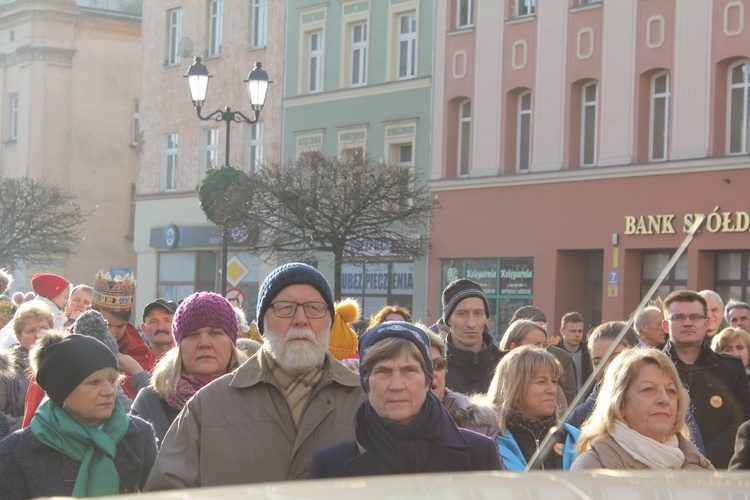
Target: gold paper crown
x,y
114,293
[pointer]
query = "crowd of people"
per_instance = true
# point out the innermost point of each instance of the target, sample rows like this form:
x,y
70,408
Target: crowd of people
x,y
90,406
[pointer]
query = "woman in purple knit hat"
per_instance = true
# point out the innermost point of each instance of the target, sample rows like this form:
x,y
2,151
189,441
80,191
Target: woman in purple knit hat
x,y
205,332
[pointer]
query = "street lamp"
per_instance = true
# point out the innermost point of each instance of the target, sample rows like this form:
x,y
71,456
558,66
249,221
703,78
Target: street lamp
x,y
257,87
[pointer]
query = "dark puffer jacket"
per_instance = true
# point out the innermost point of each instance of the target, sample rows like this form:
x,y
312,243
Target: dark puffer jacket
x,y
471,372
719,398
30,469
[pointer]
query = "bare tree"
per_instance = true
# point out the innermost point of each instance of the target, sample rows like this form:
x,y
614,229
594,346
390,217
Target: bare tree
x,y
348,206
38,221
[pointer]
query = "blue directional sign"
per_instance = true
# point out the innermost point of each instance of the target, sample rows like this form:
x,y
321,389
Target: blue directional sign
x,y
614,277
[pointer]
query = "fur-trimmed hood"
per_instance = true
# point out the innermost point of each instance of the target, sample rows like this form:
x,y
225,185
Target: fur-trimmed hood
x,y
7,364
473,408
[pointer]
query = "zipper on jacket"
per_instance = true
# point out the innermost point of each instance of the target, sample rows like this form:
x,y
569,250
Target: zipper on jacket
x,y
476,358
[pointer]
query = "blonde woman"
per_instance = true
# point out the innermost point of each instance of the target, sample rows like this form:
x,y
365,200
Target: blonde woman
x,y
525,389
733,341
639,418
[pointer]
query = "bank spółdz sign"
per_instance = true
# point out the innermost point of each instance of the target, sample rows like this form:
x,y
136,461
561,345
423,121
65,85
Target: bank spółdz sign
x,y
716,222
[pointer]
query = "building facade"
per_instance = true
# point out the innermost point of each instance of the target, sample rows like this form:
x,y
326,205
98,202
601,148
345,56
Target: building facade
x,y
179,251
69,86
574,142
357,84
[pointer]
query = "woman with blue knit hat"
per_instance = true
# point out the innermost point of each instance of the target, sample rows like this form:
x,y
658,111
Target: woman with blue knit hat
x,y
402,427
205,330
81,442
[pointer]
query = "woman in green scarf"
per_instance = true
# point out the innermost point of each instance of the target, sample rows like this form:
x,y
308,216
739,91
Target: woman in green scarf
x,y
81,442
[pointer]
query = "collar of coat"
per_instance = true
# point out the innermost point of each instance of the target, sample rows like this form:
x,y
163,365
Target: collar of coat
x,y
255,371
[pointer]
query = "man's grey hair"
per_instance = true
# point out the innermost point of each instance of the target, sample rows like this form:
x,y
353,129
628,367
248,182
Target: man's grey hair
x,y
734,304
710,293
643,315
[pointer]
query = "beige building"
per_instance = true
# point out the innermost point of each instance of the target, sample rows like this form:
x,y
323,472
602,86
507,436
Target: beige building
x,y
179,251
69,84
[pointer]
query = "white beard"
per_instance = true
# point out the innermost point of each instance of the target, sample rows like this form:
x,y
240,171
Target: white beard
x,y
296,357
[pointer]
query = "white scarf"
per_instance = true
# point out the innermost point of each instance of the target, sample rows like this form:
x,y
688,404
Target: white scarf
x,y
649,452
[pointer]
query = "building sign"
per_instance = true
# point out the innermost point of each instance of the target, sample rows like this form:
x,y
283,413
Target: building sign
x,y
375,285
484,272
516,277
716,222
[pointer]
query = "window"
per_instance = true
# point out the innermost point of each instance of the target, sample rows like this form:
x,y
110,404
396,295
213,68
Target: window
x,y
309,144
523,133
739,85
407,45
169,170
406,162
525,8
184,273
136,123
13,117
659,129
588,2
733,275
589,103
254,141
209,149
652,264
175,34
315,65
464,13
260,23
359,54
464,138
216,13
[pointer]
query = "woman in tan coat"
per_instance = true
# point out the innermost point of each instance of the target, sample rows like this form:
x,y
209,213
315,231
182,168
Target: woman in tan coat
x,y
639,418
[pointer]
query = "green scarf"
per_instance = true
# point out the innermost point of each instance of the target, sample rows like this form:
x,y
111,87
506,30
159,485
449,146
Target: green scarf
x,y
95,448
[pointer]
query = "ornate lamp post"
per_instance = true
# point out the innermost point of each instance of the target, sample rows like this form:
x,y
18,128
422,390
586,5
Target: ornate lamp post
x,y
257,87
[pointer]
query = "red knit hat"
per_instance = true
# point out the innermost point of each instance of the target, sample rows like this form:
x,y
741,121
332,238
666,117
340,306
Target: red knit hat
x,y
48,285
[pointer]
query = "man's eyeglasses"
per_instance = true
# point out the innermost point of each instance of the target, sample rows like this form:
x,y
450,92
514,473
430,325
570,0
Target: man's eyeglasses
x,y
439,364
680,318
287,309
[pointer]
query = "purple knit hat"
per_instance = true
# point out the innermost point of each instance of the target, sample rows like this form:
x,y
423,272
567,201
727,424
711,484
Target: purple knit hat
x,y
204,309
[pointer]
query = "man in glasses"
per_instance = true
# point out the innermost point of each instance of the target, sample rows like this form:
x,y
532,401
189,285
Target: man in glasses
x,y
265,421
718,387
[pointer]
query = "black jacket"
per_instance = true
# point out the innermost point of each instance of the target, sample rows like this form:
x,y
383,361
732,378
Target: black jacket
x,y
741,458
151,407
30,469
471,372
456,450
586,366
719,399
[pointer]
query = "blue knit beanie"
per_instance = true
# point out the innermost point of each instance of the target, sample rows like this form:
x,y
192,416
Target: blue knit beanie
x,y
397,329
294,273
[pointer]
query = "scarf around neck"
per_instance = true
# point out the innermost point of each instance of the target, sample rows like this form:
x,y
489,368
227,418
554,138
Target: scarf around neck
x,y
187,386
402,448
94,447
649,452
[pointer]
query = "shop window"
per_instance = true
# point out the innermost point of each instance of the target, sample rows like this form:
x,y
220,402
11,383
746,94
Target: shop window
x,y
259,23
216,15
653,263
733,275
376,285
507,282
659,121
464,138
184,273
737,112
175,34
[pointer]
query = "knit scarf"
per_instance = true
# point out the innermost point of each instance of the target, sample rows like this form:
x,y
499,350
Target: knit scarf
x,y
186,387
402,448
94,447
536,427
296,389
649,452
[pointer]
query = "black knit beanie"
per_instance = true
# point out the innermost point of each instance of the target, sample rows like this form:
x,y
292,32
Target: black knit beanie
x,y
294,273
394,329
459,290
67,363
92,324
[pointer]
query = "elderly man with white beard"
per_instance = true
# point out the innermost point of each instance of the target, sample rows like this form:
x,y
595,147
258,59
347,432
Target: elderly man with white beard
x,y
264,421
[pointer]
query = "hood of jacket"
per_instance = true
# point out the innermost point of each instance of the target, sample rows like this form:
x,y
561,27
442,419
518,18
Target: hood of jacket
x,y
7,364
475,408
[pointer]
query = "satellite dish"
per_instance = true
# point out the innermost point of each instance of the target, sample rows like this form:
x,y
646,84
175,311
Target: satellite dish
x,y
185,47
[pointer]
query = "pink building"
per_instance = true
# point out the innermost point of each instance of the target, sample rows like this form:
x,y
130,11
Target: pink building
x,y
573,142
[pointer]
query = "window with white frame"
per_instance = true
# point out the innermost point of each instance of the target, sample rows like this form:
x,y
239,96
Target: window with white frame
x,y
13,117
260,23
589,114
169,162
254,142
659,124
588,2
359,54
216,14
209,149
136,123
464,13
175,34
309,143
737,108
406,162
523,133
315,62
525,8
464,137
407,45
